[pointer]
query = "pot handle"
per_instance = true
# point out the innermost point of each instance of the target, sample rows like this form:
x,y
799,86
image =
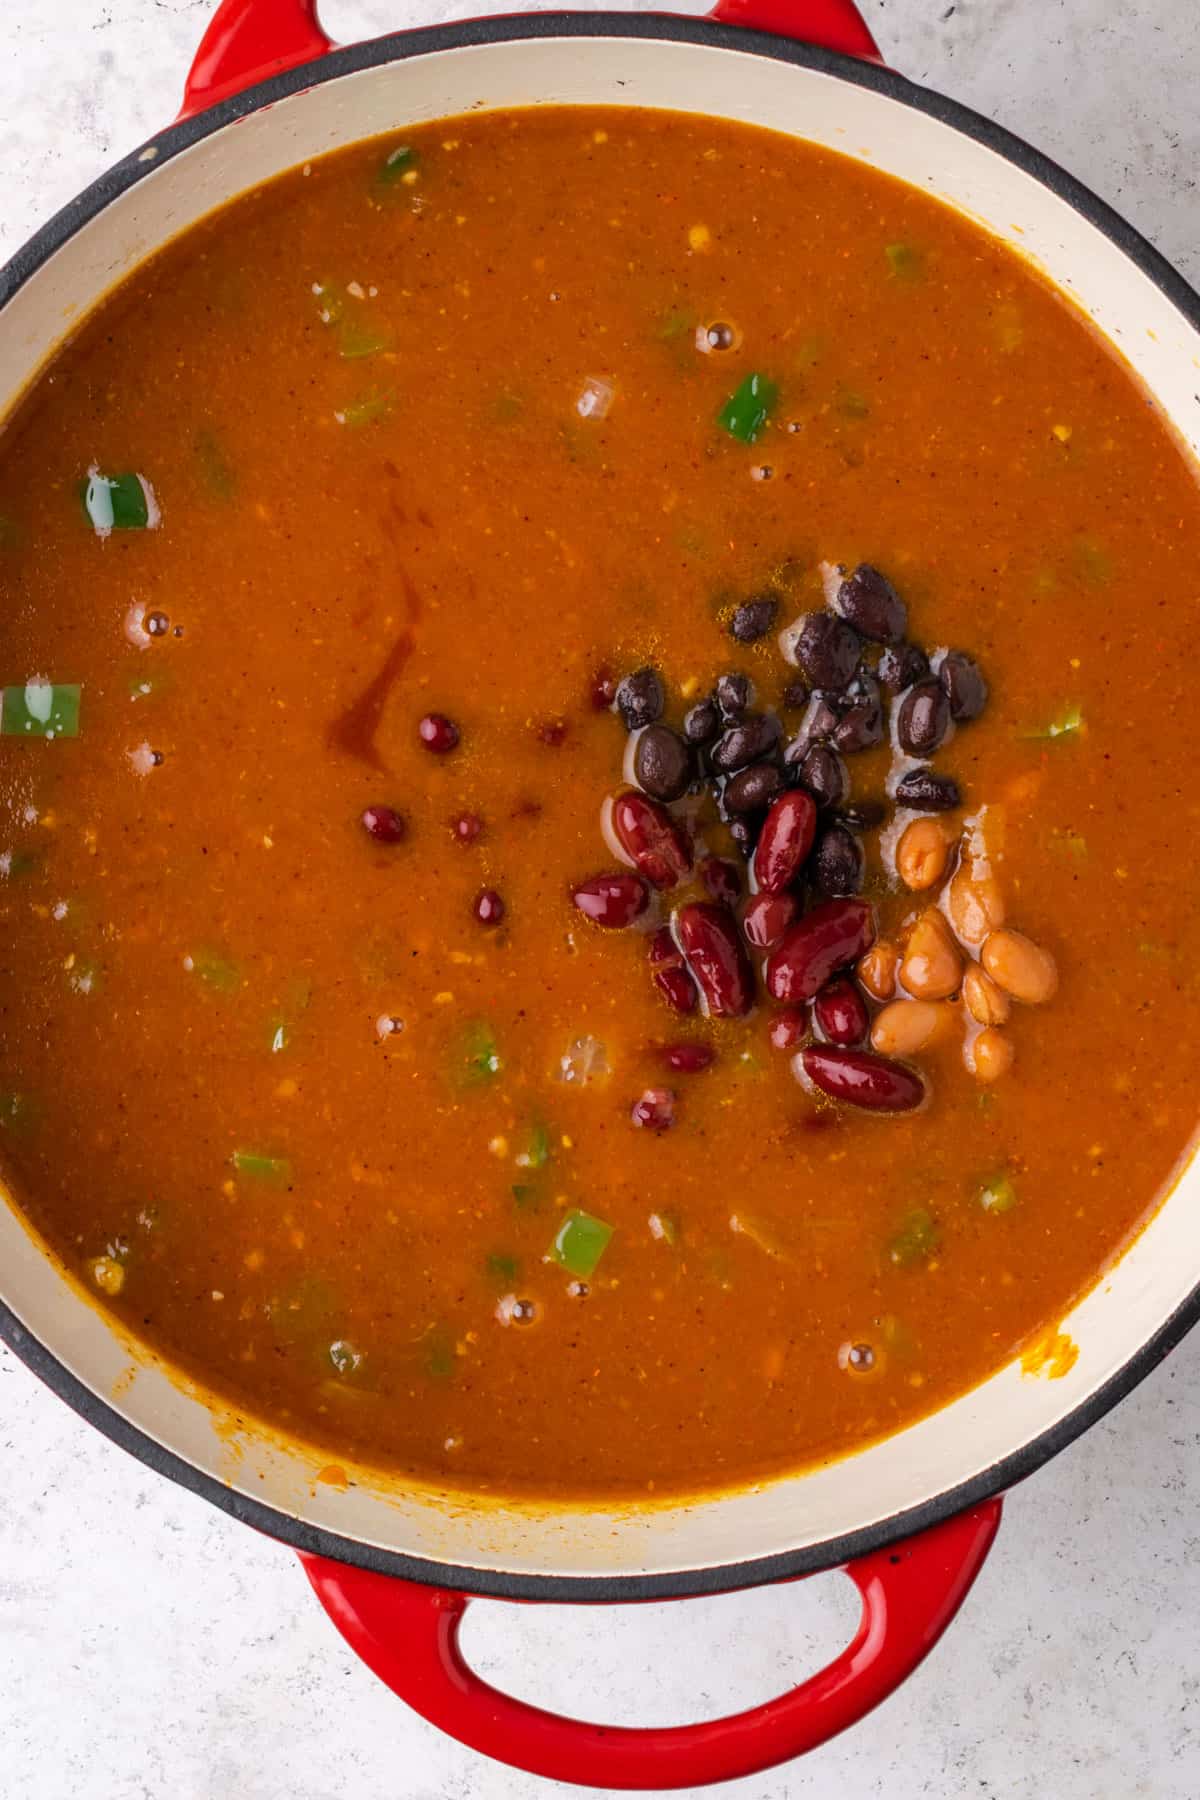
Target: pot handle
x,y
408,1635
827,24
249,40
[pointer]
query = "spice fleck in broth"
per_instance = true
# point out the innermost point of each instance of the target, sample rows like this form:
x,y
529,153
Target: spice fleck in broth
x,y
594,749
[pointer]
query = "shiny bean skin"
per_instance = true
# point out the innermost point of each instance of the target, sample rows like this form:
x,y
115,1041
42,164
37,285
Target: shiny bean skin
x,y
613,901
1021,967
829,938
974,901
789,1028
655,844
861,1078
986,1002
877,970
923,853
904,1027
991,1055
841,1013
785,841
932,967
669,973
767,917
716,958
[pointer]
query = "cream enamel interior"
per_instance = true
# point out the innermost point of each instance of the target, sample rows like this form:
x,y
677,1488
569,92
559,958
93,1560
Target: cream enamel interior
x,y
1162,1266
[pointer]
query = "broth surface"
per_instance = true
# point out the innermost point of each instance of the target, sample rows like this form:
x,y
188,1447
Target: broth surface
x,y
269,1085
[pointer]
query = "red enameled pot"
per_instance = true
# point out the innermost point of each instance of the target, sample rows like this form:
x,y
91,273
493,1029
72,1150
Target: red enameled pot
x,y
911,1519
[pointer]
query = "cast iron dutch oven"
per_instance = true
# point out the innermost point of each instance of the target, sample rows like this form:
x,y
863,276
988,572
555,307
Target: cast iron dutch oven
x,y
910,1519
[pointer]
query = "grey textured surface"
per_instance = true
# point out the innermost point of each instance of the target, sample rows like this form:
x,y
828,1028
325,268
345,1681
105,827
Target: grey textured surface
x,y
152,1650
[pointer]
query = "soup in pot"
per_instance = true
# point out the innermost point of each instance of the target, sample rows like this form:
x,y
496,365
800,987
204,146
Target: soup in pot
x,y
594,738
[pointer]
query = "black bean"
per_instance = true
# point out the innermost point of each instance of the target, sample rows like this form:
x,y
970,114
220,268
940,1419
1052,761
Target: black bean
x,y
820,722
926,792
963,684
794,696
750,741
734,693
868,601
753,789
924,719
861,728
754,619
901,665
837,863
864,815
702,723
662,763
826,650
641,699
824,775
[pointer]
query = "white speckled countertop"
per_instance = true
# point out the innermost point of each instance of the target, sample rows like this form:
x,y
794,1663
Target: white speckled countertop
x,y
151,1649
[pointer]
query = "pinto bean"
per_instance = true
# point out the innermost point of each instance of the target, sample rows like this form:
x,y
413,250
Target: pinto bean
x,y
1021,967
974,901
876,970
905,1027
923,852
932,966
991,1055
985,1001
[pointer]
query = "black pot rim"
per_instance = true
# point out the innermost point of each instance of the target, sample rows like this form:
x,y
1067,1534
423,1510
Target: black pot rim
x,y
831,1552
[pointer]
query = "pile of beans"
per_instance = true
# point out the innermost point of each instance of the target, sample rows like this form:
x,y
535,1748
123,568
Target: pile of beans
x,y
853,1008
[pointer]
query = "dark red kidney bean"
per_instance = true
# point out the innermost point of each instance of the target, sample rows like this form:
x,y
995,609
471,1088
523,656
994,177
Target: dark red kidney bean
x,y
864,815
923,719
654,1110
488,907
467,828
861,728
789,1028
963,684
860,1078
827,939
438,733
926,792
794,696
841,1013
702,723
384,824
613,901
641,699
837,863
754,619
688,1059
602,689
785,841
714,953
901,665
767,917
868,601
669,974
722,878
651,838
662,763
826,650
752,790
748,742
734,693
824,775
